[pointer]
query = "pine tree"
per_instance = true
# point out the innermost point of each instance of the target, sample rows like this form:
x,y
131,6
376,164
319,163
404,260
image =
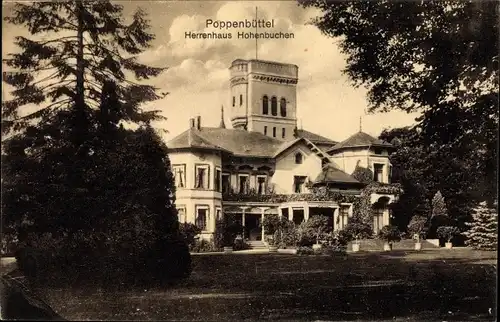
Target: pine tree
x,y
483,230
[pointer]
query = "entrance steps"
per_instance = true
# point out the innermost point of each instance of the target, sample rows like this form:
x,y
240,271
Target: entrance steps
x,y
256,244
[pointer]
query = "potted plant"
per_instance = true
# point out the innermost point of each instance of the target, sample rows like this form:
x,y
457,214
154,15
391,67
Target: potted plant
x,y
231,230
447,233
416,227
316,227
389,234
273,243
355,230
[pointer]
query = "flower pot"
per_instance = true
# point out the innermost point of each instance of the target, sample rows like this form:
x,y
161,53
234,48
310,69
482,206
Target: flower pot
x,y
387,247
448,245
418,246
317,246
273,249
228,249
355,247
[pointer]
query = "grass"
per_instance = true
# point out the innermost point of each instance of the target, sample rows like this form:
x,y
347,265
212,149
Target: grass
x,y
433,285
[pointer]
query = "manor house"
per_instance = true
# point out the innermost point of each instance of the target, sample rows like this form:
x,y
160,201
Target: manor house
x,y
265,165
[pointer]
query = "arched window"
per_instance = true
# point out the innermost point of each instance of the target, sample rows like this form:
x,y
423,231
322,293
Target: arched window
x,y
298,158
283,107
265,105
274,106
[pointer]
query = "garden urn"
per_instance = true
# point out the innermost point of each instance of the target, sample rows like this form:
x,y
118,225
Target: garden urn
x,y
228,249
448,245
418,246
355,247
387,247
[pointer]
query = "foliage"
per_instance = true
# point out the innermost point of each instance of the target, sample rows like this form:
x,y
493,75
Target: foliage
x,y
439,205
447,232
230,229
390,234
271,223
417,226
483,229
305,250
362,174
189,232
65,72
357,229
287,234
443,62
240,244
203,246
316,227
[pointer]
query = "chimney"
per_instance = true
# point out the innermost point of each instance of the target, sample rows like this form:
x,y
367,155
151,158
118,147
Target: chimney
x,y
191,123
198,122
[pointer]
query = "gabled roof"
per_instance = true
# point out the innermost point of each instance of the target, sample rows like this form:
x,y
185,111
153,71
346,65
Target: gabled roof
x,y
315,138
331,174
238,142
192,139
360,139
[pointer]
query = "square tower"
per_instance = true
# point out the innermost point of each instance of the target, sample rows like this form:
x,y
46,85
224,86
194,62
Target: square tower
x,y
264,97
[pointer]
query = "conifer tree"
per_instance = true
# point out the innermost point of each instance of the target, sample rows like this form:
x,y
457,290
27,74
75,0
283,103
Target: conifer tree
x,y
439,206
483,229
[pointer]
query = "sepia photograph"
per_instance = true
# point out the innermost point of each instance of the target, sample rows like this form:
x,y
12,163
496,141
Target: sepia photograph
x,y
291,160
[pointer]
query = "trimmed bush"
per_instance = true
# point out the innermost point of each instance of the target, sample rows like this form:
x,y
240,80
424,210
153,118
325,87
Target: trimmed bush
x,y
447,232
390,234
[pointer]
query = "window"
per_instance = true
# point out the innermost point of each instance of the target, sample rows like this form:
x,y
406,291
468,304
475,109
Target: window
x,y
274,132
180,175
298,158
274,106
265,105
217,180
181,214
283,133
378,219
234,101
377,151
265,130
218,214
283,107
243,178
261,185
378,170
299,184
201,217
343,217
226,183
389,170
201,178
241,99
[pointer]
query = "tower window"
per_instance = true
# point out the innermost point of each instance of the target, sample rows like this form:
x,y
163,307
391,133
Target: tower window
x,y
283,133
298,158
274,132
234,101
241,99
265,130
283,107
265,105
378,172
274,106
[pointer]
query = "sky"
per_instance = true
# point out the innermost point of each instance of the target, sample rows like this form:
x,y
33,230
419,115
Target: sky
x,y
197,77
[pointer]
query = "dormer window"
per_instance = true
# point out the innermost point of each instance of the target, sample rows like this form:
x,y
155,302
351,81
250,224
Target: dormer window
x,y
283,107
265,105
298,158
274,106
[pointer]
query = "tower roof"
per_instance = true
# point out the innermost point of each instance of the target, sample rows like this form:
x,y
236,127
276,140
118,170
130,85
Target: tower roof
x,y
360,139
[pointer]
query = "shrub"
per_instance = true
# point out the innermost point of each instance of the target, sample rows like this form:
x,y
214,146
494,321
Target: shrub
x,y
271,224
357,229
303,250
390,234
315,228
447,232
417,226
483,230
203,246
240,244
189,232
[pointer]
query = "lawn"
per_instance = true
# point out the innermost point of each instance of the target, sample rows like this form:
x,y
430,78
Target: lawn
x,y
437,285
